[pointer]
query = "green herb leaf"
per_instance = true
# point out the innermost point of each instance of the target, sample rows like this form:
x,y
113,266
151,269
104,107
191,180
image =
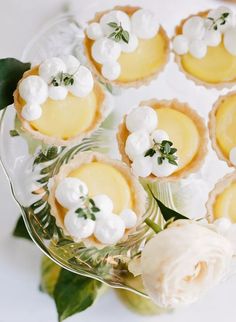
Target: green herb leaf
x,y
92,202
11,71
119,33
125,36
14,133
113,24
166,212
225,14
20,230
74,293
95,209
150,153
219,21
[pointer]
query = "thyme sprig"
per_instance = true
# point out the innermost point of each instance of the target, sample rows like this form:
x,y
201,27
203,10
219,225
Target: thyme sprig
x,y
89,209
219,21
63,79
119,33
164,150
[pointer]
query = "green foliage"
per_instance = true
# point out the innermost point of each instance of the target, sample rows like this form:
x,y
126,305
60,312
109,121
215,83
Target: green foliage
x,y
11,71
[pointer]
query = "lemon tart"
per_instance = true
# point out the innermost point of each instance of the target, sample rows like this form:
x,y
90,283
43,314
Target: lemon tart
x,y
97,200
164,140
59,102
126,46
222,120
222,200
204,47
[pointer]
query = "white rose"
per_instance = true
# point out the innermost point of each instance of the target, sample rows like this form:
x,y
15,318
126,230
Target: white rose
x,y
182,262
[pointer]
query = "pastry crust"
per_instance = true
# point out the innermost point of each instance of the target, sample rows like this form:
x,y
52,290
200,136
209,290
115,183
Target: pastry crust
x,y
197,161
50,140
135,84
220,186
197,81
138,193
212,128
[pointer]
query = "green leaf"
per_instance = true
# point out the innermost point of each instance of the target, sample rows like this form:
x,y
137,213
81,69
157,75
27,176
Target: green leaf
x,y
49,275
125,36
112,24
11,71
166,212
225,14
20,230
95,209
74,293
14,133
159,160
150,153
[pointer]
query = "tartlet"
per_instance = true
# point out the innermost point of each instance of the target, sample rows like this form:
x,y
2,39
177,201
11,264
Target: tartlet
x,y
62,121
183,119
216,65
102,175
221,201
134,71
222,128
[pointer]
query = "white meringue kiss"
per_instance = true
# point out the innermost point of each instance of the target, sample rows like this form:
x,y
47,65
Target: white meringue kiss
x,y
83,82
212,38
104,203
232,156
78,227
105,50
31,111
198,48
94,31
111,70
33,89
142,166
137,144
159,136
129,217
144,24
194,28
162,170
142,118
50,68
117,16
230,41
181,45
109,230
132,44
69,191
72,63
57,93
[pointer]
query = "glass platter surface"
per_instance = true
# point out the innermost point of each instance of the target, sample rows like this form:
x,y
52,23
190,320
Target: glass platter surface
x,y
29,164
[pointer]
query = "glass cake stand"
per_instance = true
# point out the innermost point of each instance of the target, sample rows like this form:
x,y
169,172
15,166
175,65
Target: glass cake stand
x,y
30,164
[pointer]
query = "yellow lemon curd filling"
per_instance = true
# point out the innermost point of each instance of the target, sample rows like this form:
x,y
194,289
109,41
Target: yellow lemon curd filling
x,y
182,132
226,124
217,66
225,204
102,178
149,57
67,118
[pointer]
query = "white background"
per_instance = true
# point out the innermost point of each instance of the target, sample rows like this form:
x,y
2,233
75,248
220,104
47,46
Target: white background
x,y
20,299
